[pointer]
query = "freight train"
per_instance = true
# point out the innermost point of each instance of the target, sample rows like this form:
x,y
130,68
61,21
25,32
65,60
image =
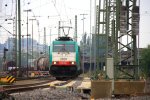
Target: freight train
x,y
42,63
64,58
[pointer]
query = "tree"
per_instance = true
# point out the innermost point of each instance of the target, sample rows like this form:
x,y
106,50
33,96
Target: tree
x,y
145,62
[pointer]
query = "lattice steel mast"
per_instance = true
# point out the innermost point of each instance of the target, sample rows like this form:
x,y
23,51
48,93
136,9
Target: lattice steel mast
x,y
118,21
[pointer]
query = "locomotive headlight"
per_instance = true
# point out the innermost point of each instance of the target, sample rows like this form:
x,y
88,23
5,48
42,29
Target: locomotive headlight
x,y
63,55
72,63
54,62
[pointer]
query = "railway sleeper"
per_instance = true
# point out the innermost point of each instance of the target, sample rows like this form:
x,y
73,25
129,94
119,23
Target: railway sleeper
x,y
70,88
85,91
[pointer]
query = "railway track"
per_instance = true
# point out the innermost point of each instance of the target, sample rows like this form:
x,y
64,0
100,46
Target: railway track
x,y
28,87
55,89
8,90
61,89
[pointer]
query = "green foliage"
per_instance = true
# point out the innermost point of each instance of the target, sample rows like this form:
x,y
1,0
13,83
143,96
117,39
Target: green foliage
x,y
145,62
96,75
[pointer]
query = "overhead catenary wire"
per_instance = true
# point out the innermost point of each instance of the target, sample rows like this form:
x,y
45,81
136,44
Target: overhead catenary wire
x,y
29,3
4,13
65,9
8,8
57,10
39,7
12,8
6,30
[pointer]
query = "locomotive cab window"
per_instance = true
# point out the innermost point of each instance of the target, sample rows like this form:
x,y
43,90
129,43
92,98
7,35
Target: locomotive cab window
x,y
64,48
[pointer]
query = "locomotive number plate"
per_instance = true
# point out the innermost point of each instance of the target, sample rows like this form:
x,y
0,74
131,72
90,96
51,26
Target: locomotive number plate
x,y
63,58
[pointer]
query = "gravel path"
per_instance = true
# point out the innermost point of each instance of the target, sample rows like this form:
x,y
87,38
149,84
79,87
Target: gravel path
x,y
62,94
50,94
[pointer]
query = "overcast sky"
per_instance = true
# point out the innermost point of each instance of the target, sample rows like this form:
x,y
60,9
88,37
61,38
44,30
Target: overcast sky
x,y
145,23
49,12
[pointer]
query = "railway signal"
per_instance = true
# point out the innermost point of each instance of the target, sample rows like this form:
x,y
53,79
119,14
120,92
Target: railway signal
x,y
4,58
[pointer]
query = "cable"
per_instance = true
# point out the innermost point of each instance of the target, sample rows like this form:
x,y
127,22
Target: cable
x,y
56,9
65,10
12,8
6,30
7,9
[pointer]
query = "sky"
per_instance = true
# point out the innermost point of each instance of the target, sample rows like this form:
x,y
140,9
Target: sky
x,y
144,23
48,12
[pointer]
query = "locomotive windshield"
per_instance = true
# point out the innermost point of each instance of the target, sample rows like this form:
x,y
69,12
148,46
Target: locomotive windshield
x,y
64,48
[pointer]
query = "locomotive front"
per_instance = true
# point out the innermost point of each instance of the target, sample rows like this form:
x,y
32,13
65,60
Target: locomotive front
x,y
64,58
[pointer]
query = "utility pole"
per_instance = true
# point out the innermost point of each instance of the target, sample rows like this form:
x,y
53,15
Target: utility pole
x,y
29,10
32,37
19,34
75,33
38,38
44,41
23,43
90,36
83,42
50,36
59,29
15,38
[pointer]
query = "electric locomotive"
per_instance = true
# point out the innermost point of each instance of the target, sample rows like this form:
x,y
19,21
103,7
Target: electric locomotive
x,y
64,58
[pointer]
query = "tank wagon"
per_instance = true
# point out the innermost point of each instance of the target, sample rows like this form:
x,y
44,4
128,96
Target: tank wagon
x,y
41,63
